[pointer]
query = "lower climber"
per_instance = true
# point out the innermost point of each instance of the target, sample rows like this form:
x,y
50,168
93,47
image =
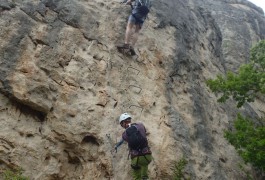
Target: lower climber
x,y
135,136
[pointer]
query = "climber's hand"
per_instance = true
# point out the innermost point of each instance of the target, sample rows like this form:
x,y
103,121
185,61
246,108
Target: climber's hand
x,y
129,2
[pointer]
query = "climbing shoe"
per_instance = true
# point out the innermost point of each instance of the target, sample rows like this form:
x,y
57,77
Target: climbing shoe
x,y
132,51
126,49
123,48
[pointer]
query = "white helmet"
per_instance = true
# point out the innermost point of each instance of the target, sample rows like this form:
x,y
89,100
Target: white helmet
x,y
124,116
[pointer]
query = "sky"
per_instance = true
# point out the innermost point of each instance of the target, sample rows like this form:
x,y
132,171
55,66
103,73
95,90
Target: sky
x,y
260,3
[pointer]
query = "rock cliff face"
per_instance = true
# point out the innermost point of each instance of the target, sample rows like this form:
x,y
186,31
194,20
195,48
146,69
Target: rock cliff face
x,y
63,86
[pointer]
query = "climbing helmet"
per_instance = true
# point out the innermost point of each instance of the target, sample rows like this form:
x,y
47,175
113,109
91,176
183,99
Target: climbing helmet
x,y
124,116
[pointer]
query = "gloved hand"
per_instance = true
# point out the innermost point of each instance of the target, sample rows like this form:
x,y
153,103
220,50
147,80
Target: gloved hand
x,y
114,150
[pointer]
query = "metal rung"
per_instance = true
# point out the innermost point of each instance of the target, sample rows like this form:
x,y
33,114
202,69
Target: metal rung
x,y
134,69
108,136
137,107
136,87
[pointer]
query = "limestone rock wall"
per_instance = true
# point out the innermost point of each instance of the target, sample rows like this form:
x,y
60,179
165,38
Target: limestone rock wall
x,y
63,86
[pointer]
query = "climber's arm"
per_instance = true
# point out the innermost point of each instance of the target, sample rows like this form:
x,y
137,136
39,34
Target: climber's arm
x,y
118,144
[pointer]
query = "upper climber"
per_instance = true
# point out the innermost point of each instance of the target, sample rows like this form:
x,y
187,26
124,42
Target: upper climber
x,y
140,9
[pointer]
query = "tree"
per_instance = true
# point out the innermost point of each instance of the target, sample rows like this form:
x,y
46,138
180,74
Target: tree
x,y
249,141
245,86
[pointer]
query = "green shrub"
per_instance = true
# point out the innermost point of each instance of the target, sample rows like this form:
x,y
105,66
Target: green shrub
x,y
249,141
178,169
245,86
17,175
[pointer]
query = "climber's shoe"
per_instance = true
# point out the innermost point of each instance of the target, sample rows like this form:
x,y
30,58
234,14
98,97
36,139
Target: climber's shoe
x,y
124,48
133,53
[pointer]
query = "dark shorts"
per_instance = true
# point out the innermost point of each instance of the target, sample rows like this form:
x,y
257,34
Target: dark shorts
x,y
136,21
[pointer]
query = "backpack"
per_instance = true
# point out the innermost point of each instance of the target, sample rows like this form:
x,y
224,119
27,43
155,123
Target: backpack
x,y
142,9
135,139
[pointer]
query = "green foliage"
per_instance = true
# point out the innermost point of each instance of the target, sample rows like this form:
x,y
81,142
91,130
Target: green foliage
x,y
249,141
248,138
178,169
17,175
247,84
257,54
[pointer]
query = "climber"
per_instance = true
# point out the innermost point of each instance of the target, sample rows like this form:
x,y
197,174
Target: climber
x,y
140,9
135,135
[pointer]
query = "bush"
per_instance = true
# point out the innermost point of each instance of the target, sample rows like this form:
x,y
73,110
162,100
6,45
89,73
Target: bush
x,y
245,85
17,175
178,169
249,141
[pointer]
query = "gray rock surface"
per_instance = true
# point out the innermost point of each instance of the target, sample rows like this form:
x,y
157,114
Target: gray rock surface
x,y
63,86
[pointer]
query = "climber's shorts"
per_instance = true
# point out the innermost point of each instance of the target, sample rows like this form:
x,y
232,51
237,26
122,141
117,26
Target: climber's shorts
x,y
137,21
